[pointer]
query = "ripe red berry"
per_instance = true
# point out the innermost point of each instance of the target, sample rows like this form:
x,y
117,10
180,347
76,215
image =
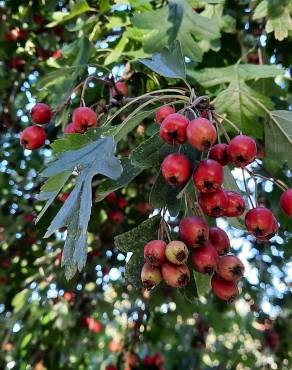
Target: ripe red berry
x,y
193,231
120,90
218,152
111,198
176,252
208,176
63,197
177,276
173,129
242,150
230,268
33,137
205,259
41,114
144,208
150,276
83,118
223,289
163,112
176,169
116,216
122,203
261,222
219,240
17,63
154,252
213,204
111,367
236,204
69,129
286,202
201,134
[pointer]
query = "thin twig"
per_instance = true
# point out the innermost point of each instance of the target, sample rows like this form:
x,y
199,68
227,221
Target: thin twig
x,y
246,188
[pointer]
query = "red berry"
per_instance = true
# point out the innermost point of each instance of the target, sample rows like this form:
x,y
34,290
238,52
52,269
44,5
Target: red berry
x,y
177,276
57,54
111,367
163,112
193,231
122,203
208,176
116,216
236,204
261,222
154,252
230,268
41,114
120,90
111,198
242,150
144,208
205,259
286,202
213,204
173,129
176,169
218,152
223,289
94,326
68,296
17,63
83,118
219,240
148,360
63,197
150,276
201,134
176,252
33,137
69,129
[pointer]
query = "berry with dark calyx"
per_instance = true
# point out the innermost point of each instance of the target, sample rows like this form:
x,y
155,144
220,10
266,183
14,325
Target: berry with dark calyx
x,y
286,202
116,216
236,204
69,129
41,113
173,129
83,118
213,204
163,112
205,259
150,276
218,153
120,90
154,252
193,231
176,252
177,276
242,150
111,198
219,239
208,176
261,222
230,268
201,134
223,289
176,169
33,137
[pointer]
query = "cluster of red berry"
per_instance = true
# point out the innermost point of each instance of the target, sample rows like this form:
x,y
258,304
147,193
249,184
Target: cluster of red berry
x,y
168,261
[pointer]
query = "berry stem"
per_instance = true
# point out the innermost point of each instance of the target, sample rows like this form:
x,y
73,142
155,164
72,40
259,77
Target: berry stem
x,y
233,125
223,129
283,187
246,189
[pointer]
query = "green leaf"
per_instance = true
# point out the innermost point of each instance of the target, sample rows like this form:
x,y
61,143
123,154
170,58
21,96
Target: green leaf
x,y
80,7
151,152
209,77
261,10
168,63
278,137
95,158
20,300
130,171
132,240
238,102
164,195
203,283
116,53
176,21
